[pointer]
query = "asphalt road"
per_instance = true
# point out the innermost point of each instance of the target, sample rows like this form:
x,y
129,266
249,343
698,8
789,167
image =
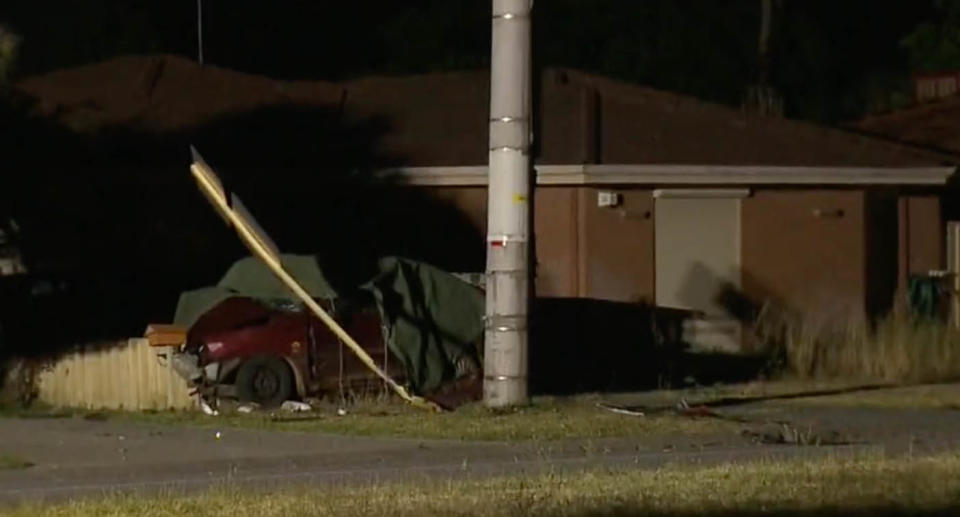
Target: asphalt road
x,y
76,457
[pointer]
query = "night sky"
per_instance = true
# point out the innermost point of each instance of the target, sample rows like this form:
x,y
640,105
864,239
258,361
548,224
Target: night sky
x,y
830,60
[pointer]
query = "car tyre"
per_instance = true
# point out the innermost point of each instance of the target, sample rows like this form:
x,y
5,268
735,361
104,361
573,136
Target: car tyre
x,y
267,381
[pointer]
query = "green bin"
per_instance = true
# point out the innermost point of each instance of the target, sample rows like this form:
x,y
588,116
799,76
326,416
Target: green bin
x,y
928,295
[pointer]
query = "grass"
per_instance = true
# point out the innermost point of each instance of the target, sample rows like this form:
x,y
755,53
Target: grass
x,y
8,462
547,419
897,349
932,396
852,486
810,392
780,387
544,420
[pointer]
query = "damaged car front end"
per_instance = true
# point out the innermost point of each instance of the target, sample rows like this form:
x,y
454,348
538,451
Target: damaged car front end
x,y
267,354
265,351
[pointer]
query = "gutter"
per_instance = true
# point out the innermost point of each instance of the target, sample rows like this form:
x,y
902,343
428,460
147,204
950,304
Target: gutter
x,y
653,174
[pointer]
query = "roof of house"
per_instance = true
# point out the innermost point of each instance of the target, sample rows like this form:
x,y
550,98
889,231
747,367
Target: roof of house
x,y
161,93
934,125
441,119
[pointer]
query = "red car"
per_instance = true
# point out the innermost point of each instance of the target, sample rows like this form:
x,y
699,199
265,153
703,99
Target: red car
x,y
243,349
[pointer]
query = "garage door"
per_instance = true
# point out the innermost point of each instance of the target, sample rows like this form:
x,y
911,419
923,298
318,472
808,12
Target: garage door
x,y
697,239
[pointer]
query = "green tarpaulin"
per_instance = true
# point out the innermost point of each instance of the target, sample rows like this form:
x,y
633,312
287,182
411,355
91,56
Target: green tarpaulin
x,y
432,318
250,278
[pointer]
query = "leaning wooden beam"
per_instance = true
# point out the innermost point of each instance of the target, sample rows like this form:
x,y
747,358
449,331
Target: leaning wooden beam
x,y
262,247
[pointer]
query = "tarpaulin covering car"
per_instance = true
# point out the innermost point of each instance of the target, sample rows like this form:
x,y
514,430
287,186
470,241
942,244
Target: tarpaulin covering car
x,y
249,346
249,337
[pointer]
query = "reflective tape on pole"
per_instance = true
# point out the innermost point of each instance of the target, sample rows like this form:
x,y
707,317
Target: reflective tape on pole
x,y
505,362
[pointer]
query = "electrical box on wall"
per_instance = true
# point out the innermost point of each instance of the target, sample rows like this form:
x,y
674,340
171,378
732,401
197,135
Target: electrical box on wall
x,y
608,199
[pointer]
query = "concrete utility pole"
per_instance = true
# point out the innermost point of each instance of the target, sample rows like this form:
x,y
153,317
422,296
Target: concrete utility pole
x,y
508,206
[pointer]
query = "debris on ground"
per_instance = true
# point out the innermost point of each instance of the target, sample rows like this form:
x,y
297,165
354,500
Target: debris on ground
x,y
685,409
249,307
208,409
247,408
786,434
619,410
681,408
295,406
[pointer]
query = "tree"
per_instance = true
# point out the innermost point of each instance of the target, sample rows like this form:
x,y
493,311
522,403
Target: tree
x,y
935,45
9,44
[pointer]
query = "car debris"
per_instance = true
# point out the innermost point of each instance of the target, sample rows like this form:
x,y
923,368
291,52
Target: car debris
x,y
295,406
229,206
207,408
681,408
272,330
248,408
700,410
620,410
240,339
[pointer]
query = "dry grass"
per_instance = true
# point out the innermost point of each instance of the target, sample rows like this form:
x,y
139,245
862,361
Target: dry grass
x,y
8,462
792,391
784,386
858,486
545,420
932,396
897,349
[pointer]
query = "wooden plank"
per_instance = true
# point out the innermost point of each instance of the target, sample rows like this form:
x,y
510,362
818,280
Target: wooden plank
x,y
130,370
109,376
96,374
139,358
261,245
162,335
86,375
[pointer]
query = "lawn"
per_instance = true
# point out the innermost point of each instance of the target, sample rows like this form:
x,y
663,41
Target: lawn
x,y
546,419
869,485
8,462
809,392
929,396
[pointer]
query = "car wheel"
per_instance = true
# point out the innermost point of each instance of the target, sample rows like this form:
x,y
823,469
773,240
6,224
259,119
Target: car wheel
x,y
267,381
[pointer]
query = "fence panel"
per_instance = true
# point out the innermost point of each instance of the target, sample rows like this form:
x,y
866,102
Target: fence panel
x,y
127,375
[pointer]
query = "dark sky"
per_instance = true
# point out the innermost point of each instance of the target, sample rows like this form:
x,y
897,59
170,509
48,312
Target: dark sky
x,y
832,60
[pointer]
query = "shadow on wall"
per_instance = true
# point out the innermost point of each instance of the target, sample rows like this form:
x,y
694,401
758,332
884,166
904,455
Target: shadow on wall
x,y
699,286
114,218
802,341
750,309
582,345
